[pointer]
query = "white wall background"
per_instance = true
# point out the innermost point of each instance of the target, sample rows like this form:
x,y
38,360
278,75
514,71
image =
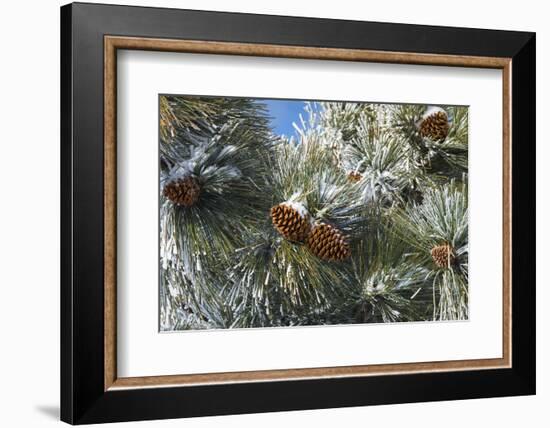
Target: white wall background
x,y
29,213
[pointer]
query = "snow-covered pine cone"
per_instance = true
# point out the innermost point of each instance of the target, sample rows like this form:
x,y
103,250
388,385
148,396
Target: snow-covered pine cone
x,y
443,255
291,220
328,243
434,124
183,191
354,176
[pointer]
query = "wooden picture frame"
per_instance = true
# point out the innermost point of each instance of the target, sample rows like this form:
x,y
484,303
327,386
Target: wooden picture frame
x,y
91,390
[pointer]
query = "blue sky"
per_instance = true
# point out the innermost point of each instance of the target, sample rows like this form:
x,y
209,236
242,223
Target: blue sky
x,y
283,113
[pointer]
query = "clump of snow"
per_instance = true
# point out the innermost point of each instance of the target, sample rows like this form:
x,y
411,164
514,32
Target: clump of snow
x,y
433,110
298,207
181,170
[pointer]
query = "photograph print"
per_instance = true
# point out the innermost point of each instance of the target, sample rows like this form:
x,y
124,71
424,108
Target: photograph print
x,y
281,213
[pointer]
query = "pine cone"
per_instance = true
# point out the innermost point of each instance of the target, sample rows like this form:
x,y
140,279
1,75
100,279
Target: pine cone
x,y
443,255
354,176
435,126
183,191
290,222
328,243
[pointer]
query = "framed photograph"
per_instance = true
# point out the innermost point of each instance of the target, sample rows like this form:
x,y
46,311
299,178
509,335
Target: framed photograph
x,y
266,213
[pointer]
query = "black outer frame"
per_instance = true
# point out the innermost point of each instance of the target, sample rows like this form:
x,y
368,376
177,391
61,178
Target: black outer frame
x,y
83,399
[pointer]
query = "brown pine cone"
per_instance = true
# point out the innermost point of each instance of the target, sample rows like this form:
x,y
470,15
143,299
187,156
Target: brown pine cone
x,y
328,243
290,222
443,255
435,126
354,176
183,191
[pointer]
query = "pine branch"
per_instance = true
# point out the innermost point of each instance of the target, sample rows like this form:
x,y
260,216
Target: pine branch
x,y
440,224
